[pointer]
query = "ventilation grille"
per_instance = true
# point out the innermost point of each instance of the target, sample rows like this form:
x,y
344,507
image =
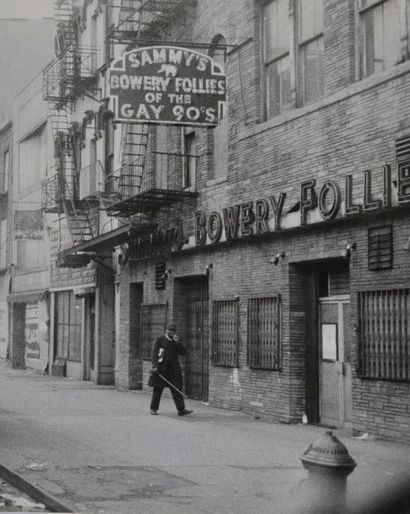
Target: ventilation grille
x,y
160,275
403,148
380,248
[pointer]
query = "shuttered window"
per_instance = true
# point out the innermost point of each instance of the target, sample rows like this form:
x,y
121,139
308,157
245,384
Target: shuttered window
x,y
264,333
153,320
160,275
384,334
225,336
380,246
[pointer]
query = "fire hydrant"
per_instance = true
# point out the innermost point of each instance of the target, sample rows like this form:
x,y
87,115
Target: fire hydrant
x,y
329,464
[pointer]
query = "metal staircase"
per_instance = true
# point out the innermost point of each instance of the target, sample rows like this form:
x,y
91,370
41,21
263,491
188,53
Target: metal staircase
x,y
60,77
134,143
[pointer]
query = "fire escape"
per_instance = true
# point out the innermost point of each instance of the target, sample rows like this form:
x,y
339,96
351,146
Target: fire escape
x,y
69,75
136,191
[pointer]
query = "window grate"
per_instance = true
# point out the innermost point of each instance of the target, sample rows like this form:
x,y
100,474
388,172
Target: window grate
x,y
264,333
384,334
380,248
225,336
403,149
153,321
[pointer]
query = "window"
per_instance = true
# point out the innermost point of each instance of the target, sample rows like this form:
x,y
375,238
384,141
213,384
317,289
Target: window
x,y
276,58
109,152
264,333
33,158
189,161
161,157
3,244
68,311
220,132
225,335
381,28
310,39
93,43
384,334
153,321
334,280
31,254
286,71
380,248
6,172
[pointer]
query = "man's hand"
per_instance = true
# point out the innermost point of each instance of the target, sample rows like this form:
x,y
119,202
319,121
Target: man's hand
x,y
154,371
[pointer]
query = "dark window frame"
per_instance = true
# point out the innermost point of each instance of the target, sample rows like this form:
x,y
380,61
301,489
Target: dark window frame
x,y
380,248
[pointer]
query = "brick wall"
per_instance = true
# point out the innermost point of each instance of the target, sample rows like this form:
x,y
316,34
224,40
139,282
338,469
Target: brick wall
x,y
351,130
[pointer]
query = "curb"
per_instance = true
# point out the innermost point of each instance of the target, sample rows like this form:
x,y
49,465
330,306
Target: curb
x,y
16,480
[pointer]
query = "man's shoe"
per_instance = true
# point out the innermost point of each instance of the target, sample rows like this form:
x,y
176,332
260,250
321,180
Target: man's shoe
x,y
184,412
154,412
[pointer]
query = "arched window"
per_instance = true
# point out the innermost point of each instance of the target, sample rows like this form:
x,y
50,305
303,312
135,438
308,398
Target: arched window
x,y
219,139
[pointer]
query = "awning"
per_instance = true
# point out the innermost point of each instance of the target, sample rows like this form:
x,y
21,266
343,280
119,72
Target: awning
x,y
27,296
102,242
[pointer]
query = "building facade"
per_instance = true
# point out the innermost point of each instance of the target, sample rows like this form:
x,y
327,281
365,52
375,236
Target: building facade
x,y
5,168
29,249
277,240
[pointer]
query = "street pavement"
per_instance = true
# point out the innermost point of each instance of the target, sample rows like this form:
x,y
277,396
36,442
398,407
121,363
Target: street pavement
x,y
96,449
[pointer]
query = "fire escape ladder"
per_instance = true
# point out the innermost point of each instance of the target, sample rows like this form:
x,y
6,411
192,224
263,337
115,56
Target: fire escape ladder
x,y
63,16
148,18
134,142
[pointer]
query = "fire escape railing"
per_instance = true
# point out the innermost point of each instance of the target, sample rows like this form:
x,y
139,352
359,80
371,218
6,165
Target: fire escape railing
x,y
147,19
131,189
128,180
70,74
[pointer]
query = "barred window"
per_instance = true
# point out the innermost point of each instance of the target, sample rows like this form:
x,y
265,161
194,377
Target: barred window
x,y
264,333
153,320
225,336
384,334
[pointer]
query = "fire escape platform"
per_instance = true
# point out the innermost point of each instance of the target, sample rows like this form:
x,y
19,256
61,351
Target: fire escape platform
x,y
148,201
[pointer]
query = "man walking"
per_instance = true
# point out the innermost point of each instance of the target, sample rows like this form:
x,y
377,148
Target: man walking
x,y
165,364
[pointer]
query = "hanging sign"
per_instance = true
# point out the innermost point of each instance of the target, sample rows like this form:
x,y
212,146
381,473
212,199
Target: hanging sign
x,y
167,85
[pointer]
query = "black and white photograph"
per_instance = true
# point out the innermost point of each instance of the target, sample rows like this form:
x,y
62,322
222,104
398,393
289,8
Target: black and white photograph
x,y
205,256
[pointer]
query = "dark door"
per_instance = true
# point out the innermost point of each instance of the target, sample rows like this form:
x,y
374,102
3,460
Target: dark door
x,y
135,368
196,340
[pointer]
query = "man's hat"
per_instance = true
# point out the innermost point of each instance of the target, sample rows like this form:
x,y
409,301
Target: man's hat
x,y
171,326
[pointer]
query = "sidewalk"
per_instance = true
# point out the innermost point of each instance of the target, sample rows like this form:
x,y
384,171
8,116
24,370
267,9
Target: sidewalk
x,y
96,449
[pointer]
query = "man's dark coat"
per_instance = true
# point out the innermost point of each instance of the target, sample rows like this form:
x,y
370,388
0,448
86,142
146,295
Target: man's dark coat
x,y
165,360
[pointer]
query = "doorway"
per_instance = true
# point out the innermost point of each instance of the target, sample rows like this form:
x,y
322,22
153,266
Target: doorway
x,y
196,309
89,339
335,373
135,365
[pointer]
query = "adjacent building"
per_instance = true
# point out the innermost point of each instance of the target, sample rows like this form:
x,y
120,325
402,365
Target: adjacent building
x,y
28,292
242,168
26,46
5,167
